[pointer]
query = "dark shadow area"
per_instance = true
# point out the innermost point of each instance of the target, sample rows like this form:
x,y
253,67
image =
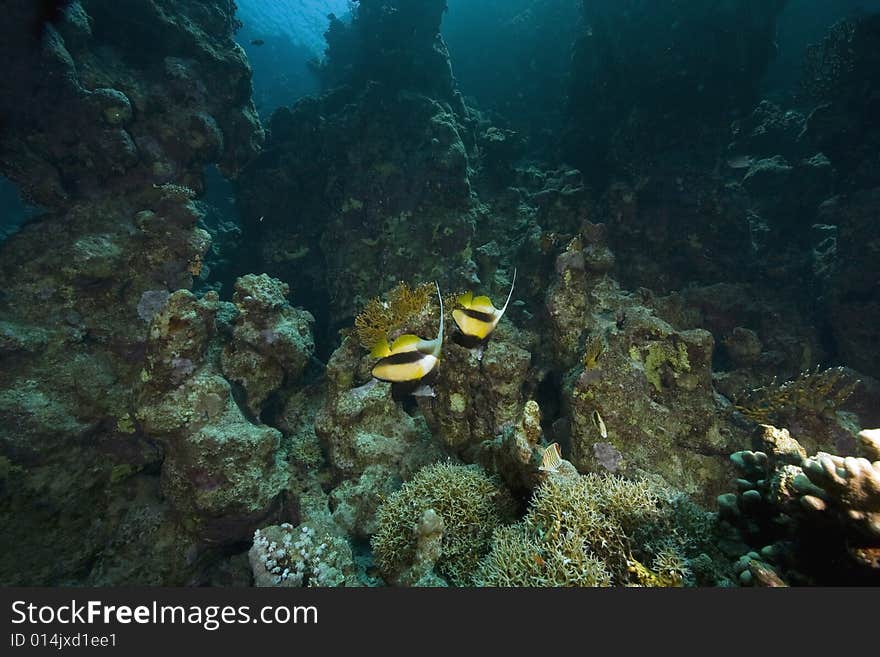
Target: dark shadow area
x,y
13,211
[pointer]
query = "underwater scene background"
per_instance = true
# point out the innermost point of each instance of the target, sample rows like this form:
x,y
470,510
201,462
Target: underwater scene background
x,y
652,227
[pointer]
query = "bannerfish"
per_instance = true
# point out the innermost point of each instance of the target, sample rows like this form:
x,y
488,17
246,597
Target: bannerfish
x,y
477,317
409,358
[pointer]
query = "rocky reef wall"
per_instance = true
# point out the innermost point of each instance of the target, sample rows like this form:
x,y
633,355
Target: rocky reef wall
x,y
110,134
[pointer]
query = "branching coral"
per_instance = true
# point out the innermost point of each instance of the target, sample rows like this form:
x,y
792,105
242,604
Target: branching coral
x,y
592,530
468,505
380,318
819,392
597,509
517,559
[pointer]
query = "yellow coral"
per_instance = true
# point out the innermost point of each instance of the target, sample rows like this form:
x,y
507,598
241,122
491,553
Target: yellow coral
x,y
379,318
641,575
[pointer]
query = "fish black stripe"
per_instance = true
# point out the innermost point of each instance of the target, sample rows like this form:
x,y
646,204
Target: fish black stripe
x,y
488,318
403,358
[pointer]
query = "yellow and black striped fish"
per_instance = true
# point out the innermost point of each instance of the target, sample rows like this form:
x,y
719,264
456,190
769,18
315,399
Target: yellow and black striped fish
x,y
478,317
409,358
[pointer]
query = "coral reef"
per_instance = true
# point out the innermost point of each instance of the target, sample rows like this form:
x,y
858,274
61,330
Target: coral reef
x,y
168,418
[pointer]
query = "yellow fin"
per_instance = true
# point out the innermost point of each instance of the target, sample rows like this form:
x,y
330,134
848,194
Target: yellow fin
x,y
380,349
483,304
407,342
465,299
471,326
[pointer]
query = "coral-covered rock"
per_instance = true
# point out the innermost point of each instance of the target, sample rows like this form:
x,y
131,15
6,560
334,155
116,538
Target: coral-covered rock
x,y
109,120
271,342
479,392
365,426
222,472
641,397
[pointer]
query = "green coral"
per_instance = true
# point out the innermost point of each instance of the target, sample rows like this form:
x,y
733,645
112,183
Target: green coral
x,y
470,504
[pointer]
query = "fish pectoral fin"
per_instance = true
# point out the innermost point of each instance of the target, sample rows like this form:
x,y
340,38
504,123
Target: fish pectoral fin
x,y
380,349
464,300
